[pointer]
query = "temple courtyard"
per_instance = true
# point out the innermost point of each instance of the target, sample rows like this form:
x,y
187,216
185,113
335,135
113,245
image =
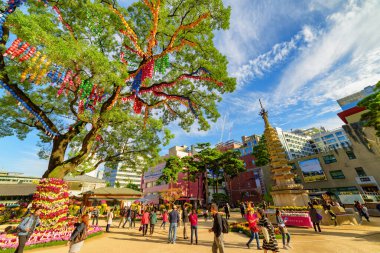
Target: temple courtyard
x,y
346,238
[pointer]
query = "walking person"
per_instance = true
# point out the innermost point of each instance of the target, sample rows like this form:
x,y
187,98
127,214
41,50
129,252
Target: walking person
x,y
217,228
269,241
109,220
78,235
95,216
127,217
193,218
283,229
145,222
242,209
315,217
153,221
328,210
185,221
205,214
174,218
360,208
123,212
133,218
227,210
252,224
26,229
165,219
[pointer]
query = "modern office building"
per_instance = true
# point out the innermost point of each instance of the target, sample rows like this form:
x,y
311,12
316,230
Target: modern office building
x,y
228,145
16,178
333,139
295,145
352,100
309,132
121,176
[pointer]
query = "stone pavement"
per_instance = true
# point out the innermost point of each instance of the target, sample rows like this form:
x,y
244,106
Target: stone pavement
x,y
347,239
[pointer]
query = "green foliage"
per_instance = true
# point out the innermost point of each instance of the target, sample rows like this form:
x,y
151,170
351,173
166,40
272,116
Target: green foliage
x,y
117,184
133,186
372,103
260,152
170,172
268,198
113,133
219,198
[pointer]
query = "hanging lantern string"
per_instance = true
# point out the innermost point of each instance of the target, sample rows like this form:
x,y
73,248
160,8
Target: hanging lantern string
x,y
133,51
11,7
45,126
60,18
128,30
162,86
154,9
171,48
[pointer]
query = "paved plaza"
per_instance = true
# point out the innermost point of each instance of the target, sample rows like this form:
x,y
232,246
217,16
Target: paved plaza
x,y
346,238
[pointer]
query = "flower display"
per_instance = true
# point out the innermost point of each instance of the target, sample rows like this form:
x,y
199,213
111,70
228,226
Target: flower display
x,y
52,198
243,227
38,237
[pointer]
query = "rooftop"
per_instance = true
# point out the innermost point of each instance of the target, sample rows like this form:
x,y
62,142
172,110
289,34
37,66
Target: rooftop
x,y
114,191
84,178
17,189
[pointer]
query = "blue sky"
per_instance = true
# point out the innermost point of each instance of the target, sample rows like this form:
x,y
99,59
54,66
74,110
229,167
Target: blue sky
x,y
298,56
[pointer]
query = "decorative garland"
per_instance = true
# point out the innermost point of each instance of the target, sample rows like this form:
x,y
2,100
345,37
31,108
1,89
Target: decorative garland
x,y
39,68
12,5
46,127
162,64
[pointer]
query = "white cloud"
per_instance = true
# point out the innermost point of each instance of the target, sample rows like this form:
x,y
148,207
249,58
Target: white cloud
x,y
264,62
255,26
340,54
332,63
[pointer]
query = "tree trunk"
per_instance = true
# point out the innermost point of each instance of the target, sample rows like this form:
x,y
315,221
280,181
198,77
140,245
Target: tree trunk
x,y
205,184
227,181
57,156
217,184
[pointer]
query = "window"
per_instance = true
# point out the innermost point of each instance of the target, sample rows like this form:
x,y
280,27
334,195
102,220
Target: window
x,y
342,138
339,133
360,171
253,162
350,154
328,137
329,159
330,141
337,174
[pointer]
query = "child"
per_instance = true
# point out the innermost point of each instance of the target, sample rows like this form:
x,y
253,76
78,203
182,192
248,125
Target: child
x,y
165,219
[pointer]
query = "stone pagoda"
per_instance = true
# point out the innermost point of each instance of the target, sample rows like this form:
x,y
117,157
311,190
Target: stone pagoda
x,y
285,191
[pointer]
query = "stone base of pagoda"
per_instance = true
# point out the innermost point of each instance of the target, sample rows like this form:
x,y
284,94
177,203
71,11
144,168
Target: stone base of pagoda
x,y
290,197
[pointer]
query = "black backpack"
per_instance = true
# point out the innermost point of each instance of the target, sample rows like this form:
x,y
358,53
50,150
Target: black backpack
x,y
225,227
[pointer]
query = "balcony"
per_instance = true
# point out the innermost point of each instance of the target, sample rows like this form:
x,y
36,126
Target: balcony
x,y
366,180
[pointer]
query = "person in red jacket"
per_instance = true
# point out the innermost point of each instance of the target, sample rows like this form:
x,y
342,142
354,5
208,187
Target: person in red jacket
x,y
193,218
165,219
145,221
252,223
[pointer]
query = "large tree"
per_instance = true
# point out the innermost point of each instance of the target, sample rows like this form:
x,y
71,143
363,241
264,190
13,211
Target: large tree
x,y
260,152
105,79
372,104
